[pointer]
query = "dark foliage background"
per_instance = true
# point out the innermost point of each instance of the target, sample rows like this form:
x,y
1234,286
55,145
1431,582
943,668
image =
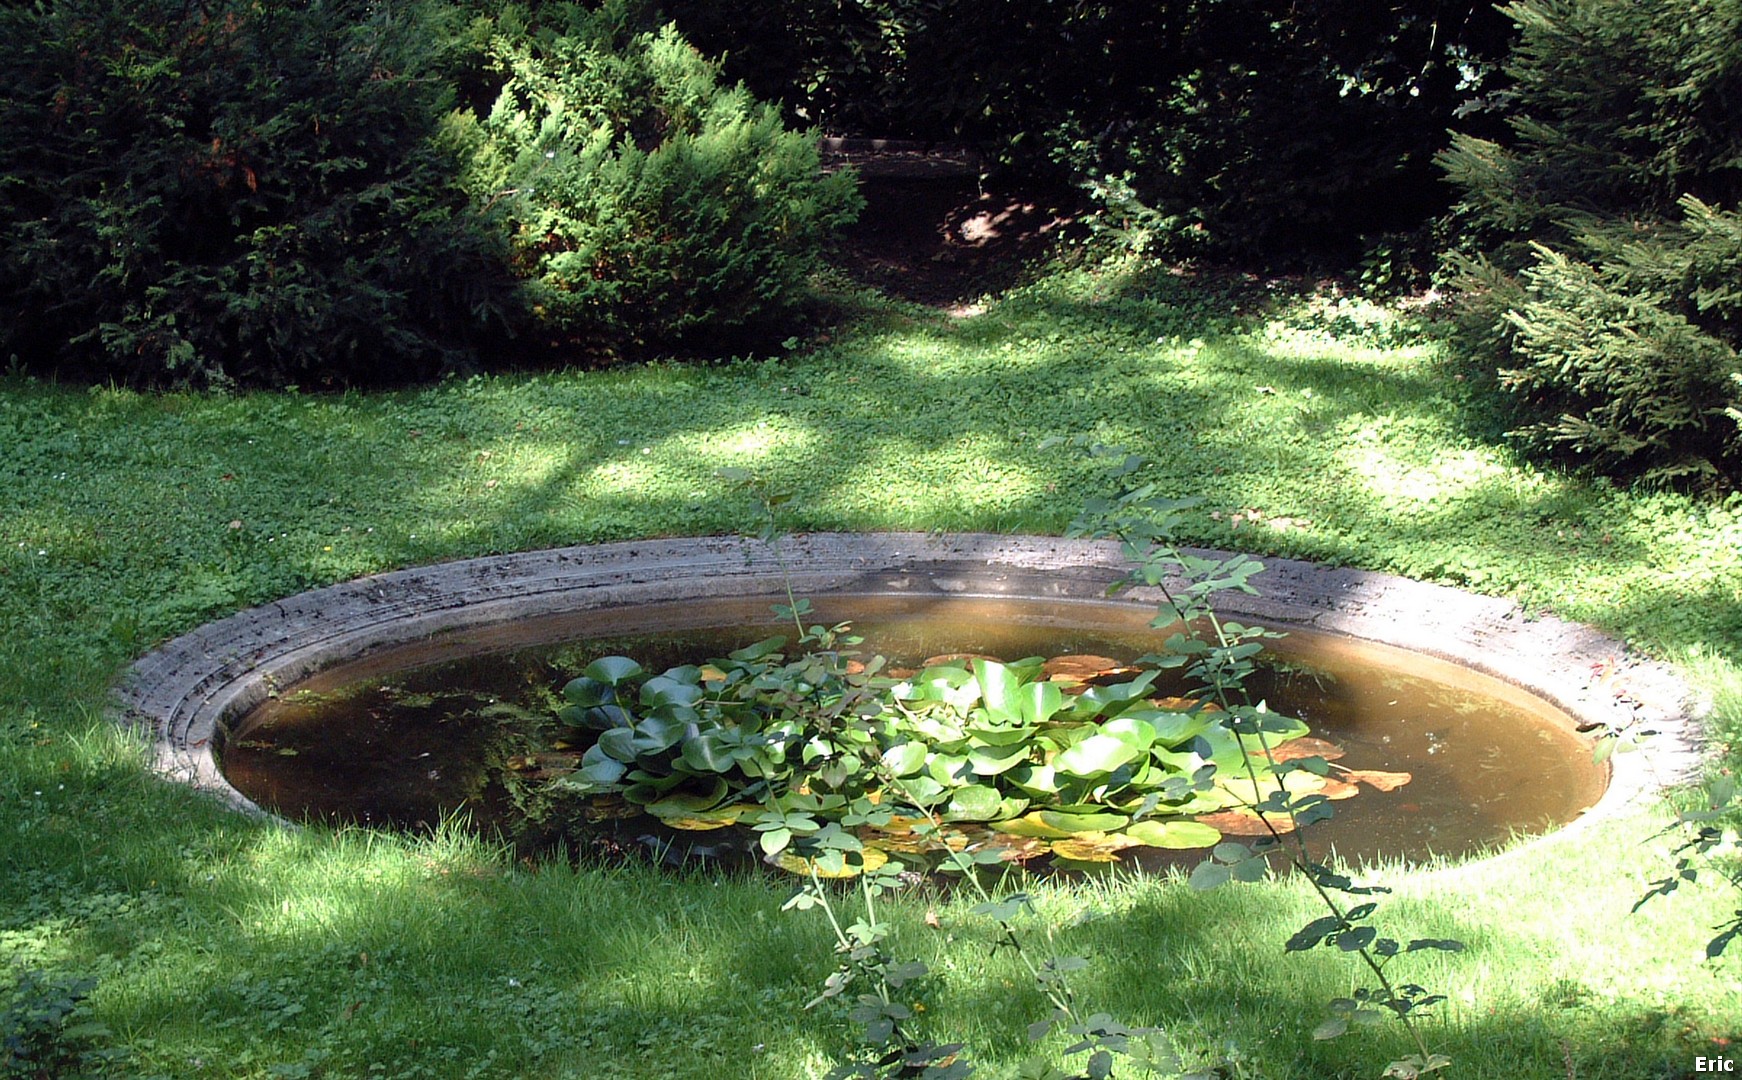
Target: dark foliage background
x,y
1275,133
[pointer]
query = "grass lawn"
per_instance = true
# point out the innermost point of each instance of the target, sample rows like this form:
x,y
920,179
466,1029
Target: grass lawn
x,y
215,946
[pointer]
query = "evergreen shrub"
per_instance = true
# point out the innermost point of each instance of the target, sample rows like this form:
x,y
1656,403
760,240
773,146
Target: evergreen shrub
x,y
234,191
1602,267
645,201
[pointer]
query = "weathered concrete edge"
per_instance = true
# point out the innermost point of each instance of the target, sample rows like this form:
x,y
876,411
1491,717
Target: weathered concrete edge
x,y
183,695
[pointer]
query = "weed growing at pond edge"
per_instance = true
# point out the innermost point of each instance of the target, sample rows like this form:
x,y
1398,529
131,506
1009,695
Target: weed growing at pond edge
x,y
841,769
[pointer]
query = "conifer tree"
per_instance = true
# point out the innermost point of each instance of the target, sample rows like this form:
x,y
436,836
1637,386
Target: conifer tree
x,y
1601,267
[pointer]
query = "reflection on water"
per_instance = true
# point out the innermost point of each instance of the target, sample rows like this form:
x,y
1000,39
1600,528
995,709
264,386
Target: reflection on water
x,y
406,737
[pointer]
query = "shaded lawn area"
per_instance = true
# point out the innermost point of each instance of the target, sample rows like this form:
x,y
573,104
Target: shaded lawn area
x,y
227,947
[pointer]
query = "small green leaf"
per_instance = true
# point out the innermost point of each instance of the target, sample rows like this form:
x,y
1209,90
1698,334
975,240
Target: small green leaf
x,y
1210,874
612,670
1442,944
1312,933
759,651
1331,1028
1100,1065
1003,910
1250,870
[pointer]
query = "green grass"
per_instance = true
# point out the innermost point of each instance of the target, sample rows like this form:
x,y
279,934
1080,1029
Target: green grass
x,y
225,947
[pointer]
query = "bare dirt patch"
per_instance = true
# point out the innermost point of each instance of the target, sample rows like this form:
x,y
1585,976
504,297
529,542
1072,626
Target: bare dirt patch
x,y
936,233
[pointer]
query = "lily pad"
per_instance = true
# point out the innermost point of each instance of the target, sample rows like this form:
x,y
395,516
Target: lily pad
x,y
899,835
1095,755
1174,834
1082,823
992,760
697,824
692,804
1383,781
1241,823
612,670
1033,825
976,802
1094,847
1306,746
870,858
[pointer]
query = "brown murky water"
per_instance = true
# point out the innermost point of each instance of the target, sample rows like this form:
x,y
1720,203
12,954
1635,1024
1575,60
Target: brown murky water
x,y
405,737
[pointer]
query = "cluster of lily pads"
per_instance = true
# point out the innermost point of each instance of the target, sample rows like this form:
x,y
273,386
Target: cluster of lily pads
x,y
836,763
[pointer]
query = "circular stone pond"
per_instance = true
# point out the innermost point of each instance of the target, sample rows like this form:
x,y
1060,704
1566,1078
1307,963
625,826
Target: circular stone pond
x,y
397,699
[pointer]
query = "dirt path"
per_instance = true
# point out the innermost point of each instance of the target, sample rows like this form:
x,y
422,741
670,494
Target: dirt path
x,y
932,234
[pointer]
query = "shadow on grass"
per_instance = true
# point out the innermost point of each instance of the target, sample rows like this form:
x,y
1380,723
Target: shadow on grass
x,y
350,952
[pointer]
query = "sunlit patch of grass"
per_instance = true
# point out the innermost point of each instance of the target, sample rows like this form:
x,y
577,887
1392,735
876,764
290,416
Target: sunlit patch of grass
x,y
227,947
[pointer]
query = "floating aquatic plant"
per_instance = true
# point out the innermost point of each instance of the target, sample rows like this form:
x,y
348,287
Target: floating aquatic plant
x,y
1077,757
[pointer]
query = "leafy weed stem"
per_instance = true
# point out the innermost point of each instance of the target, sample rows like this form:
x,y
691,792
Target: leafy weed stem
x,y
1143,521
1299,857
1048,976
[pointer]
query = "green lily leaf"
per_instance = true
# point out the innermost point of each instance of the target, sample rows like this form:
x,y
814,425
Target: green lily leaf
x,y
976,802
651,790
999,689
1105,700
656,734
1135,732
691,804
612,670
1040,700
923,790
1094,756
950,770
905,759
618,743
992,760
1172,728
665,690
586,692
761,650
1039,781
710,752
600,768
988,731
1173,834
1080,823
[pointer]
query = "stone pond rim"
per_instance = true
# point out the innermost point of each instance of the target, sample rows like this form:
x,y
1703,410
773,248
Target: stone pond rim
x,y
184,695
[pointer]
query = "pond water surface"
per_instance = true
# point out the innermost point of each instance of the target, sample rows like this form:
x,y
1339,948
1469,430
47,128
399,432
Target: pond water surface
x,y
408,736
